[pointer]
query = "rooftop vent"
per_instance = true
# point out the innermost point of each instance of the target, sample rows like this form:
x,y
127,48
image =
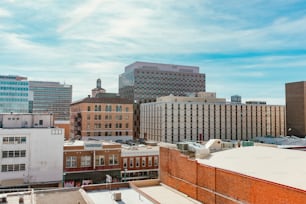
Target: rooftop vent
x,y
117,196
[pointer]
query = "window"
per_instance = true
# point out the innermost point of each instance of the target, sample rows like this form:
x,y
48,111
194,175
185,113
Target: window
x,y
41,122
131,163
88,108
149,161
137,161
126,125
71,162
155,161
143,162
100,160
85,161
127,109
125,163
113,159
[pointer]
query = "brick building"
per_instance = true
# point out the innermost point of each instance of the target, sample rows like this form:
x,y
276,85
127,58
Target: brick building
x,y
90,162
242,175
108,116
139,162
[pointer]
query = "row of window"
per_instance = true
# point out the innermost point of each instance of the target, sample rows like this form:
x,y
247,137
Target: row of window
x,y
108,108
108,117
143,163
14,82
14,140
12,167
12,94
13,154
14,99
117,133
13,88
109,125
71,161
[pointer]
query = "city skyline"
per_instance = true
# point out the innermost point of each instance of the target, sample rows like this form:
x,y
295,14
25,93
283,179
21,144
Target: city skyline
x,y
247,48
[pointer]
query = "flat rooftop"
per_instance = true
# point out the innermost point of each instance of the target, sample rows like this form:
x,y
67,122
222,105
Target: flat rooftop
x,y
271,164
161,193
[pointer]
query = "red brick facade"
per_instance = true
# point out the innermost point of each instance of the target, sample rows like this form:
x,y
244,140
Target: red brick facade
x,y
213,185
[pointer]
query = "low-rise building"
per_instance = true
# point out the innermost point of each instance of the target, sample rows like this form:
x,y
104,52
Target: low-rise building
x,y
88,162
139,162
31,151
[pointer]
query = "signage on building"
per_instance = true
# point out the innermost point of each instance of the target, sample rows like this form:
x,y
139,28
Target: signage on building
x,y
92,146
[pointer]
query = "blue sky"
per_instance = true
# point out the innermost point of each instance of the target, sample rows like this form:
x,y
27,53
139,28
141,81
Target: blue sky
x,y
249,48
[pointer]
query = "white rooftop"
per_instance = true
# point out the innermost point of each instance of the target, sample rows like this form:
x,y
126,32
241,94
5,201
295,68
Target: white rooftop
x,y
272,164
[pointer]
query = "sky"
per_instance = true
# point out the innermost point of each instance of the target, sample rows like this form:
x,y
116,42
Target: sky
x,y
249,48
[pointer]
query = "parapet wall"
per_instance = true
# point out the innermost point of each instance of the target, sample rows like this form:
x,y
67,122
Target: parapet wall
x,y
212,185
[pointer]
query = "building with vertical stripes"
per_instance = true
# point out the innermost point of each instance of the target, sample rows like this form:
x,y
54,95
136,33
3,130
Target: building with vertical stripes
x,y
173,119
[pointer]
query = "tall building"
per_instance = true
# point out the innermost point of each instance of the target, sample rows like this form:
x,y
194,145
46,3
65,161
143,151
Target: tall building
x,y
145,81
236,99
51,97
296,108
14,94
174,119
31,151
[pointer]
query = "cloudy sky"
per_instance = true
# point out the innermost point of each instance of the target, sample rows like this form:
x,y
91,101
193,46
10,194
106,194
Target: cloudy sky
x,y
249,48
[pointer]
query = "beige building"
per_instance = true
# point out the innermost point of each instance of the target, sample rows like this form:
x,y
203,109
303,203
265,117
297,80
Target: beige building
x,y
174,119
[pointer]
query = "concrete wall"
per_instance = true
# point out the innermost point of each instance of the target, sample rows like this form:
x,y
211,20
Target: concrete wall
x,y
213,185
44,154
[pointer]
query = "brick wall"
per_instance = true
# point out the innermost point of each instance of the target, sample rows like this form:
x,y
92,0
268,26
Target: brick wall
x,y
213,185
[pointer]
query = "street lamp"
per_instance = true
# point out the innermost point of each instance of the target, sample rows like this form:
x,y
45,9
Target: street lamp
x,y
63,182
125,170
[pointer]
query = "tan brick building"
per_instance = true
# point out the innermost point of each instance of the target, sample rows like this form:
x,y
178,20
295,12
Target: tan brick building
x,y
105,116
296,108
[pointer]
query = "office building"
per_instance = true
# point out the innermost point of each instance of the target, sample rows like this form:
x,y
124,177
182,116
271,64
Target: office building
x,y
145,81
51,97
31,151
296,108
236,99
173,119
14,94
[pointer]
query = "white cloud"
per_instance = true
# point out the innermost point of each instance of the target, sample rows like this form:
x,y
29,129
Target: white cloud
x,y
5,13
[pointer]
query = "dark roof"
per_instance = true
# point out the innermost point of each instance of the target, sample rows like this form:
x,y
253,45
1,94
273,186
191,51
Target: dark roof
x,y
116,100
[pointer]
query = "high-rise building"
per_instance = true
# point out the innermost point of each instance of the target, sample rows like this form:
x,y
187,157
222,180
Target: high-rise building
x,y
51,97
296,108
176,119
236,99
145,81
14,94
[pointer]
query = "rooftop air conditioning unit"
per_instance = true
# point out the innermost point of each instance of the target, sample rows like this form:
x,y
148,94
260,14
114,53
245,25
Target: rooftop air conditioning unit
x,y
117,196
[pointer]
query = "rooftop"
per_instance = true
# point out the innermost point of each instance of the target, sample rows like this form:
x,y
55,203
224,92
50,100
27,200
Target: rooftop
x,y
271,164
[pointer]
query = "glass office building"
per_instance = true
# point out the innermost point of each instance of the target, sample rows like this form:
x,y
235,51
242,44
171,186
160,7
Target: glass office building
x,y
51,97
14,94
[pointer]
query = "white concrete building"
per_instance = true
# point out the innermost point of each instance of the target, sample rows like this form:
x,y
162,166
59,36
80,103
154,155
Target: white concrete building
x,y
31,155
174,119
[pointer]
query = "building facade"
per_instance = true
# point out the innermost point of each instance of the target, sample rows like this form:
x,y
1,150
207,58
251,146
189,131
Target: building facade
x,y
145,81
139,163
175,119
296,108
31,154
108,117
88,162
14,94
51,97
